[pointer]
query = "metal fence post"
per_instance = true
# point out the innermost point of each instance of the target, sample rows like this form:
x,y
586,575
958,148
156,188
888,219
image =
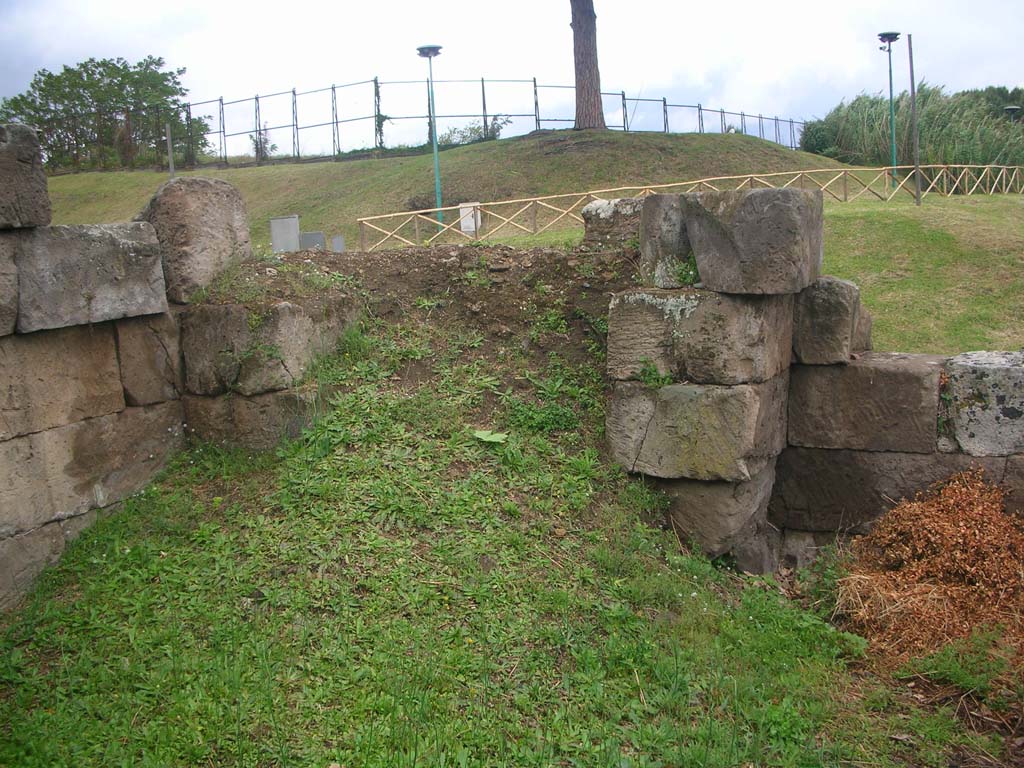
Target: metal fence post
x,y
625,114
378,118
743,123
335,133
295,125
722,114
778,138
223,138
760,125
483,104
664,112
792,135
700,119
536,104
190,153
258,140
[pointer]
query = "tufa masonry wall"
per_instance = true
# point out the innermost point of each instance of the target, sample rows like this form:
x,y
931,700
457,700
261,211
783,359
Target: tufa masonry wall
x,y
104,360
753,399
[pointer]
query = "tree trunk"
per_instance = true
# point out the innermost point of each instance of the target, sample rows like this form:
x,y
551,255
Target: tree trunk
x,y
589,113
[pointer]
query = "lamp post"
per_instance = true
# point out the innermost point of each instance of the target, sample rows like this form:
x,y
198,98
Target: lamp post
x,y
1011,111
428,52
889,38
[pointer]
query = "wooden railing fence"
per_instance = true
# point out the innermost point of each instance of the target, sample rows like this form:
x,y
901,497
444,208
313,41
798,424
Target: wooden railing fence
x,y
536,215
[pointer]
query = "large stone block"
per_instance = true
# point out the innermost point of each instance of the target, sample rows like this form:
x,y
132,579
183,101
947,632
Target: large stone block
x,y
828,490
987,402
825,318
611,223
699,336
879,402
755,241
150,355
715,514
230,348
53,378
66,471
862,332
23,558
664,245
259,422
696,431
8,282
203,227
24,201
76,275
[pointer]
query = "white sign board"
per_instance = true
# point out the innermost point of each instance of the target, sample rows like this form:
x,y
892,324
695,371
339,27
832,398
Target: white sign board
x,y
469,218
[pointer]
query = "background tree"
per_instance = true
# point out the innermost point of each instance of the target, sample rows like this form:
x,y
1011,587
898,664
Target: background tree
x,y
589,111
107,112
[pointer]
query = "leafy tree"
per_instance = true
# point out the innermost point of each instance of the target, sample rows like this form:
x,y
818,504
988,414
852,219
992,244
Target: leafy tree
x,y
107,112
589,111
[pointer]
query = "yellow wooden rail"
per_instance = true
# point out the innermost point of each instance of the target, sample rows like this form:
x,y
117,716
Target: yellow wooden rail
x,y
535,215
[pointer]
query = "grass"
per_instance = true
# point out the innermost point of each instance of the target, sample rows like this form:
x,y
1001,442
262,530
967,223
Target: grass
x,y
944,278
397,589
331,196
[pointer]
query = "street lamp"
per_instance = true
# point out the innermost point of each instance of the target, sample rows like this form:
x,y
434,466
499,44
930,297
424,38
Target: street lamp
x,y
1011,111
889,38
428,52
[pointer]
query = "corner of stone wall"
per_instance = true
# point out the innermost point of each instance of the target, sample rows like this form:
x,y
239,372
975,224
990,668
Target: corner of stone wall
x,y
752,396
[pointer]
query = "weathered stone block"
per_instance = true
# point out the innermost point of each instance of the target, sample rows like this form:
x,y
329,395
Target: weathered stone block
x,y
611,223
150,355
699,336
203,228
76,275
987,406
53,378
756,241
229,348
8,282
829,490
714,514
23,558
701,432
879,402
66,471
24,201
664,245
758,546
259,422
801,548
825,319
862,332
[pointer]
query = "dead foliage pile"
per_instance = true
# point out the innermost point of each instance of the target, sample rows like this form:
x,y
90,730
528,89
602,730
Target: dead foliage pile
x,y
936,568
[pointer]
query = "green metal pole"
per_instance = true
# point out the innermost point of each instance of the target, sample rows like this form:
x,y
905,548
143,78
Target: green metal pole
x,y
892,119
433,135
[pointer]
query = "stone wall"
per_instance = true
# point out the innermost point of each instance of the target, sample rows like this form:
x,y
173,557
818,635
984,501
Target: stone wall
x,y
111,353
751,397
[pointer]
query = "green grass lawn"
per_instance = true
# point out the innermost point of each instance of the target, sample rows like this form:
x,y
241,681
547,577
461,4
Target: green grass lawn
x,y
393,590
947,277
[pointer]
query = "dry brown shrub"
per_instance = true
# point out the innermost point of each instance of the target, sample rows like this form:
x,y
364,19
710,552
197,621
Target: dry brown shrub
x,y
936,568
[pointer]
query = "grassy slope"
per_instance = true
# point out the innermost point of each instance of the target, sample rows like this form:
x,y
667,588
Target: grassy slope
x,y
331,196
947,277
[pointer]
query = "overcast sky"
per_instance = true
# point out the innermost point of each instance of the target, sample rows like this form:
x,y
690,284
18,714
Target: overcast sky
x,y
794,59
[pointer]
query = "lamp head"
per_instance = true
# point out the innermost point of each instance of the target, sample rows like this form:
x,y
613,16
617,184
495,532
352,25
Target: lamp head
x,y
429,51
888,37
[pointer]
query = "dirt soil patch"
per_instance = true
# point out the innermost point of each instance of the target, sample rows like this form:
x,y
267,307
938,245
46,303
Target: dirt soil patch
x,y
543,297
